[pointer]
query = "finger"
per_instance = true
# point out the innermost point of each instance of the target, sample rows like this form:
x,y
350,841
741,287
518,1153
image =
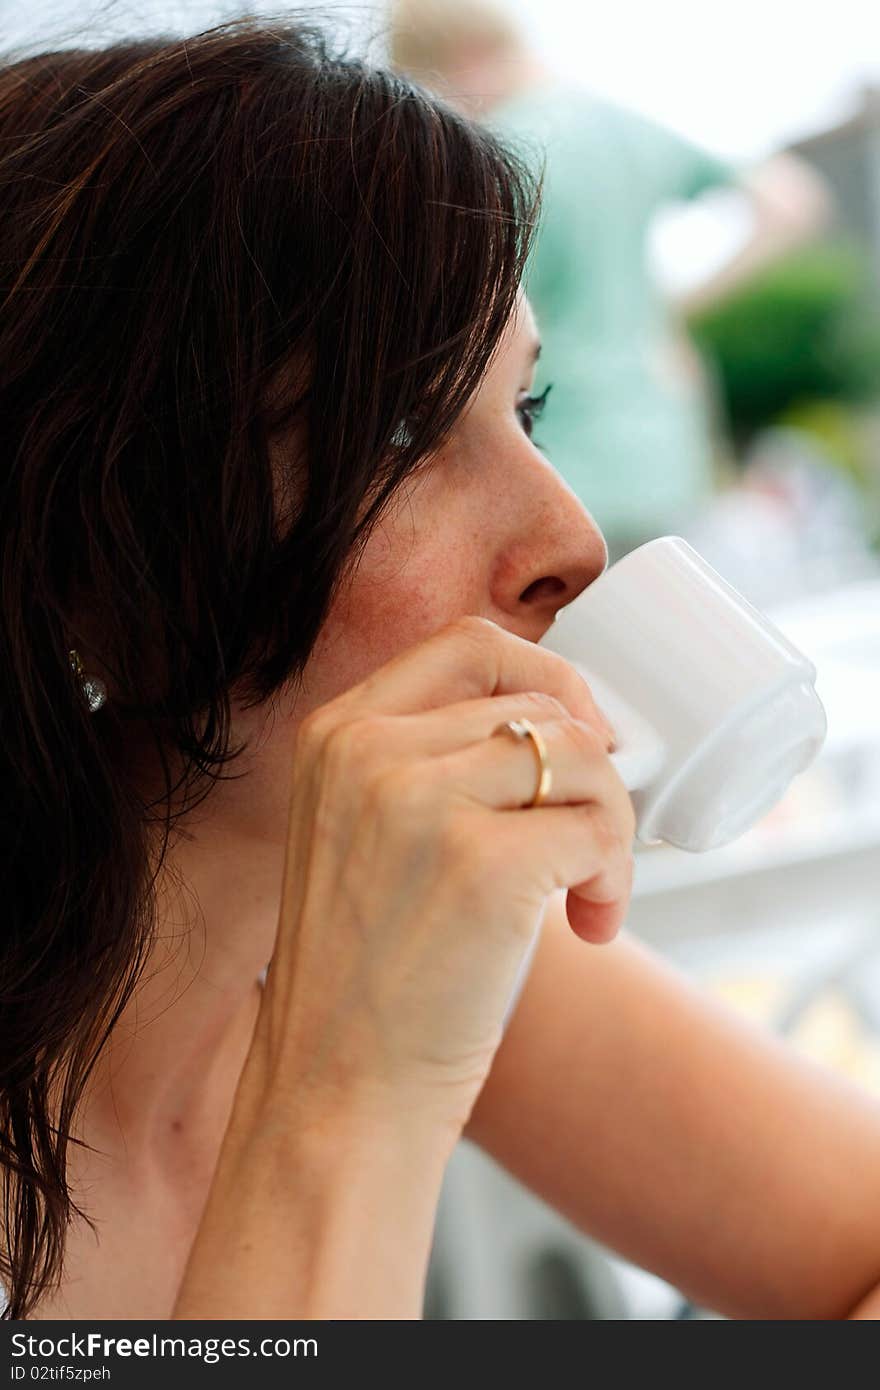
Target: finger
x,y
503,771
595,922
573,847
457,726
469,659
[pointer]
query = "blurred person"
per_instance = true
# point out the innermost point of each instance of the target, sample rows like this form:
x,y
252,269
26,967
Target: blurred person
x,y
630,421
278,553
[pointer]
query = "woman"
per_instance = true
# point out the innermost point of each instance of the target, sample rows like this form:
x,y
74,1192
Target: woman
x,y
267,396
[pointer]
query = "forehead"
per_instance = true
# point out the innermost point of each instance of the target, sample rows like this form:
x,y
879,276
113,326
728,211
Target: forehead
x,y
523,325
520,337
527,315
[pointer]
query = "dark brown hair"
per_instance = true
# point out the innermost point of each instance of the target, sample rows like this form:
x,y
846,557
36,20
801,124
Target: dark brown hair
x,y
206,246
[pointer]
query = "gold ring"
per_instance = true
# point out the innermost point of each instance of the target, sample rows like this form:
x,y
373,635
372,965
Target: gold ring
x,y
524,728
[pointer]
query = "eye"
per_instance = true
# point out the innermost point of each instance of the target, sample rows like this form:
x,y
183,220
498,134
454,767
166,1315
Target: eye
x,y
531,408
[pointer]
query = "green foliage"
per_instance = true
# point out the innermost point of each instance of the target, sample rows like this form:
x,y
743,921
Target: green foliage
x,y
807,329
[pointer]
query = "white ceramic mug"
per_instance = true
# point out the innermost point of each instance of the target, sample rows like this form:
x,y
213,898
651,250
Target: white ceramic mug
x,y
713,708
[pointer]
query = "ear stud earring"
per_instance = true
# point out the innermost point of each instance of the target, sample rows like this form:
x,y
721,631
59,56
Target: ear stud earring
x,y
93,688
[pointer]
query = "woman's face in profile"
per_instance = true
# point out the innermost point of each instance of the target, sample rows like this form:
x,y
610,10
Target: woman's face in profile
x,y
488,528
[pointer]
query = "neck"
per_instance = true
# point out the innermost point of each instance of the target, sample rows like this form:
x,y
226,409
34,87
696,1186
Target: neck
x,y
164,1084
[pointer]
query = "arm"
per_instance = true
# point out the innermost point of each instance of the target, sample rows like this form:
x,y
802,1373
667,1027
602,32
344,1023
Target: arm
x,y
695,1145
790,204
326,1215
378,1023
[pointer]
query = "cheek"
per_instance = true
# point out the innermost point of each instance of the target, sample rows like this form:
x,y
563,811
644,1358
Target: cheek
x,y
410,582
375,619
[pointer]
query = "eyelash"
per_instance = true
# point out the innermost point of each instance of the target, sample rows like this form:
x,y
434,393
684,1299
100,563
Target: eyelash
x,y
531,409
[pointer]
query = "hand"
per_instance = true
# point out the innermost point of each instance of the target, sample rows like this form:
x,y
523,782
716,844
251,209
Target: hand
x,y
414,881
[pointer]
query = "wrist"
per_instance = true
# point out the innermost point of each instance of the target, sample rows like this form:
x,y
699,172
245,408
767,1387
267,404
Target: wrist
x,y
285,1099
351,1129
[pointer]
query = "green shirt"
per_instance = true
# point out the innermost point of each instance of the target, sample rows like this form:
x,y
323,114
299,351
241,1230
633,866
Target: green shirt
x,y
625,426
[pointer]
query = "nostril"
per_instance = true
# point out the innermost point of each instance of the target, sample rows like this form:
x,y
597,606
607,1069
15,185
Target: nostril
x,y
549,587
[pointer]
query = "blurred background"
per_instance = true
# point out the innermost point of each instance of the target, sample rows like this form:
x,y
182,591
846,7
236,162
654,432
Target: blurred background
x,y
707,286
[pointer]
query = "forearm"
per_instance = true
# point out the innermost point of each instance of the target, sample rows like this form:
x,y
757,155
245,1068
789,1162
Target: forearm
x,y
790,205
695,1145
327,1220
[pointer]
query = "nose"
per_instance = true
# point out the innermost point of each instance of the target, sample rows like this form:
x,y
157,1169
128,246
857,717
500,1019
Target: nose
x,y
557,552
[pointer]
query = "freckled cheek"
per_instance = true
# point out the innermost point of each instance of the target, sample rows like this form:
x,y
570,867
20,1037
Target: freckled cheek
x,y
371,622
384,623
420,570
386,617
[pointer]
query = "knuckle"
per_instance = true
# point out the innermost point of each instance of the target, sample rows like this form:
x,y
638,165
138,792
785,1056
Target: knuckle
x,y
540,702
340,742
582,738
604,833
569,677
476,640
312,736
624,809
349,747
314,727
578,694
615,843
